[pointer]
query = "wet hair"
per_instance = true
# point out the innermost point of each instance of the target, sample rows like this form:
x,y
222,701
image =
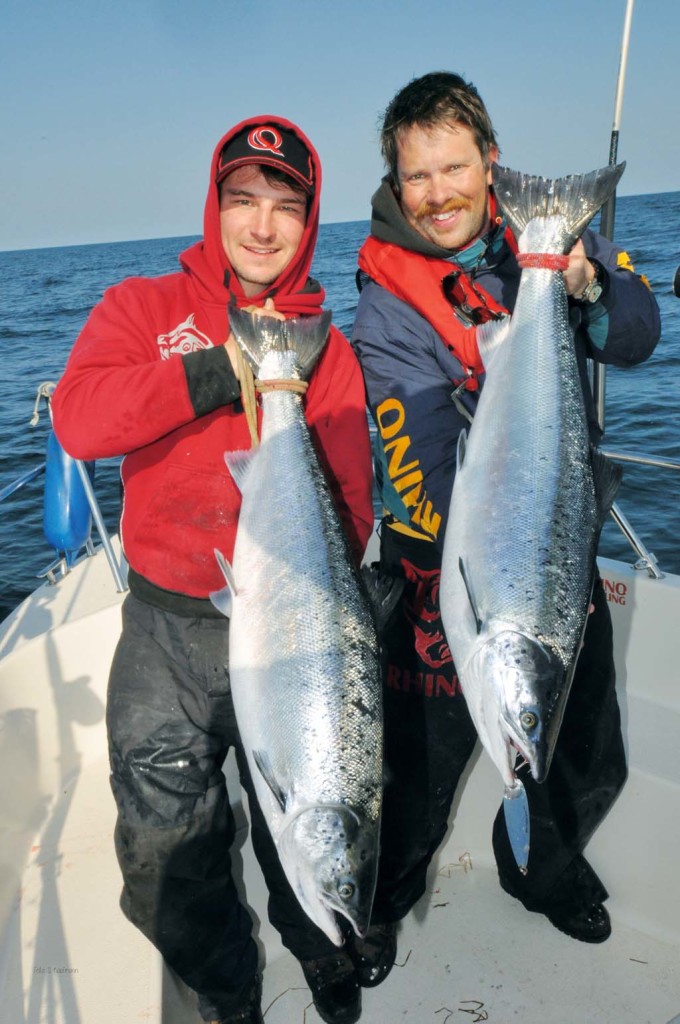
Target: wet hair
x,y
278,178
440,97
275,177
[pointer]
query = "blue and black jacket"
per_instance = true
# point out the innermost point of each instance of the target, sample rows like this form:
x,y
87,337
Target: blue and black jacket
x,y
411,375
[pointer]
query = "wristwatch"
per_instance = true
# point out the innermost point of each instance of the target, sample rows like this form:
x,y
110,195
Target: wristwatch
x,y
593,289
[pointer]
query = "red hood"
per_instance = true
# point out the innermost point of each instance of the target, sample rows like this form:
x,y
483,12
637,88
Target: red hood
x,y
294,291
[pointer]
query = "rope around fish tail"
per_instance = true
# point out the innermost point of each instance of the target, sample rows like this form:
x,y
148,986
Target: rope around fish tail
x,y
284,384
248,400
249,385
542,261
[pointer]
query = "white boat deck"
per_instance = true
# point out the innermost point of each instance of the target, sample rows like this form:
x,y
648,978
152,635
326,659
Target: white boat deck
x,y
468,952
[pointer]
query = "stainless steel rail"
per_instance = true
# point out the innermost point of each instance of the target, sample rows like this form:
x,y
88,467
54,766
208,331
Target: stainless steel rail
x,y
25,478
101,527
643,460
646,560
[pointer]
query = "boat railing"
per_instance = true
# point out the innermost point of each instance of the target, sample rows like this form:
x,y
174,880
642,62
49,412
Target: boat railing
x,y
21,481
101,526
646,560
61,565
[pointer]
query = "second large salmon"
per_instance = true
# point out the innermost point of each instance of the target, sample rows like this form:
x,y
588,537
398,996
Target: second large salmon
x,y
529,498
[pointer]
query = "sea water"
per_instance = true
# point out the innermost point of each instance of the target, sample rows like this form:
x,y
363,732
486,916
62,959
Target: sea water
x,y
47,295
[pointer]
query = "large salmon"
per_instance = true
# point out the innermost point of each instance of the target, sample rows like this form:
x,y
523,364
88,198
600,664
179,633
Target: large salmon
x,y
303,649
529,499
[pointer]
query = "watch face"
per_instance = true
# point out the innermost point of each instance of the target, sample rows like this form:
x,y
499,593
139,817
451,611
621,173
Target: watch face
x,y
593,291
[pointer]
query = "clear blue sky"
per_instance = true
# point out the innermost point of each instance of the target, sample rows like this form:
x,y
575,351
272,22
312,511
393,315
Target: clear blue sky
x,y
110,110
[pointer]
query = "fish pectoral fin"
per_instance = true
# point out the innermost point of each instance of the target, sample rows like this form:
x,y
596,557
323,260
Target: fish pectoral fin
x,y
264,766
460,450
383,593
470,594
223,599
238,464
490,336
607,476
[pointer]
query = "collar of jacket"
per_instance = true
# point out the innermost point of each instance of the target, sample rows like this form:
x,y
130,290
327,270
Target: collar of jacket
x,y
401,260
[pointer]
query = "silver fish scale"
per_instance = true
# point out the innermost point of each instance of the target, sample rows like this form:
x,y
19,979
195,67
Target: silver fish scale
x,y
537,490
305,667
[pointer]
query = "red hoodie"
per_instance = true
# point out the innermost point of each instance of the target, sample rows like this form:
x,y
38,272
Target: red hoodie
x,y
149,378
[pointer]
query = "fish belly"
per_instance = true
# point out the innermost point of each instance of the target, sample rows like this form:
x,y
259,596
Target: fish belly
x,y
303,652
523,512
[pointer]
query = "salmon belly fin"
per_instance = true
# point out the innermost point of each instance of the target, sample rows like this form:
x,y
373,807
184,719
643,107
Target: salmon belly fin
x,y
223,599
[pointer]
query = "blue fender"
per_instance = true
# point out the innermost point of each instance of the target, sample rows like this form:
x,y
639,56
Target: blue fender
x,y
67,520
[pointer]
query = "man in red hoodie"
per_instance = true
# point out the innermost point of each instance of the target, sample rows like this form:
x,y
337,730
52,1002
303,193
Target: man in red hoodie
x,y
154,377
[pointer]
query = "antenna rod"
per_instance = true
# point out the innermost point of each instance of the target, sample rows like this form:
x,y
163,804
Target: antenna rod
x,y
609,209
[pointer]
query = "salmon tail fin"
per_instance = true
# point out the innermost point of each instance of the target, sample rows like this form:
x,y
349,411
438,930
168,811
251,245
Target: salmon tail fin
x,y
258,335
576,198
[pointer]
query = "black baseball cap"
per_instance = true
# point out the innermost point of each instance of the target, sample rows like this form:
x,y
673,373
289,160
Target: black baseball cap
x,y
271,144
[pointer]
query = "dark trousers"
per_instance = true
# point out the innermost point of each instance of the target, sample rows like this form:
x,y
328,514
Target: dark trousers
x,y
171,723
429,737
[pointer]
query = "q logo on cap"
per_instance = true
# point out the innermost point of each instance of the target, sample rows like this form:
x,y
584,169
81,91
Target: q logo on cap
x,y
266,140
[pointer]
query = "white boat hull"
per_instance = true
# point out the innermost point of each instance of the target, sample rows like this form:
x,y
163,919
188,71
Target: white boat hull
x,y
68,956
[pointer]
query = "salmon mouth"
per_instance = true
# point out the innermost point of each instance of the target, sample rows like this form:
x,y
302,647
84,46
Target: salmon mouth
x,y
521,756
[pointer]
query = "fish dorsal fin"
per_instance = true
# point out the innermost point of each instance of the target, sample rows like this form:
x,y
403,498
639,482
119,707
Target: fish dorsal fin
x,y
223,599
470,594
383,592
460,450
490,336
607,476
264,766
238,464
257,335
576,197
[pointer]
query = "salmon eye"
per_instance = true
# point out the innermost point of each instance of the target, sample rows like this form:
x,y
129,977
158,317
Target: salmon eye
x,y
529,720
345,891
